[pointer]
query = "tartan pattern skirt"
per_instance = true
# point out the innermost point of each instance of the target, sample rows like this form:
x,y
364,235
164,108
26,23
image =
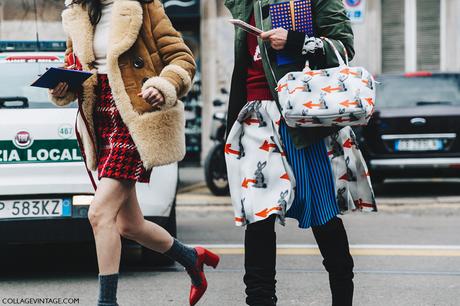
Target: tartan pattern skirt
x,y
118,157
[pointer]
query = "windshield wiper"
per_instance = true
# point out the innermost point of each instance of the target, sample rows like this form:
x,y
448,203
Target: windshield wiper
x,y
425,103
14,102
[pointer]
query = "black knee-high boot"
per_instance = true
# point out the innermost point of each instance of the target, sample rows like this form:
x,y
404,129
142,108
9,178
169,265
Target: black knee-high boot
x,y
260,262
333,243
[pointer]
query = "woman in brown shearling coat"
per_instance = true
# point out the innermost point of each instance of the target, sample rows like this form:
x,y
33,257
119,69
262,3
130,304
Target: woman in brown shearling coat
x,y
130,120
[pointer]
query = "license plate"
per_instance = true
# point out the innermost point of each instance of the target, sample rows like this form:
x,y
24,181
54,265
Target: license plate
x,y
419,145
38,208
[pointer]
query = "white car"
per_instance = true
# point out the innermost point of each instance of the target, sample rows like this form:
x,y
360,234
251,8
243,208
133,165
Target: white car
x,y
45,190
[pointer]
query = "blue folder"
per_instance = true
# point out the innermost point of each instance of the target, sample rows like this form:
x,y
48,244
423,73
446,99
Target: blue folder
x,y
54,76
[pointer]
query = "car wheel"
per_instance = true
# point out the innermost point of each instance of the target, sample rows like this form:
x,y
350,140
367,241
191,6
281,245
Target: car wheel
x,y
215,171
152,258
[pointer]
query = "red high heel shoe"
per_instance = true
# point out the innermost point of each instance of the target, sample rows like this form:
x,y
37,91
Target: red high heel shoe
x,y
208,258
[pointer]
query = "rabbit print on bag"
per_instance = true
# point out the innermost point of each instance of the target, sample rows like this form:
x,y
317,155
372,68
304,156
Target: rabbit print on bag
x,y
340,96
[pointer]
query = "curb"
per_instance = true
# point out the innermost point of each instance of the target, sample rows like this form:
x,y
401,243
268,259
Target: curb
x,y
198,195
192,187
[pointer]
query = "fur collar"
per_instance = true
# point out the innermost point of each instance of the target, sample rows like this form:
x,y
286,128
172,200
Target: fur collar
x,y
126,22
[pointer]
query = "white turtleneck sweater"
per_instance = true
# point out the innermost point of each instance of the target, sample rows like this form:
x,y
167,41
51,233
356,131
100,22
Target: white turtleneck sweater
x,y
101,36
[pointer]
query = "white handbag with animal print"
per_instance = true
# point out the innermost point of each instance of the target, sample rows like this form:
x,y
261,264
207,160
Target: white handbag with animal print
x,y
340,96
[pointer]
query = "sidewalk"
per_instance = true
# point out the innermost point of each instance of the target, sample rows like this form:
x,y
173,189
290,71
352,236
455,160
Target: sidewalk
x,y
193,190
394,196
189,176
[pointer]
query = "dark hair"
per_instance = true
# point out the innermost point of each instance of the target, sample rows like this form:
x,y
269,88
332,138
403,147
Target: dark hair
x,y
95,8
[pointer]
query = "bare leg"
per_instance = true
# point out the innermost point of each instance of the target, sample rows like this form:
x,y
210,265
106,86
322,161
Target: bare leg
x,y
111,194
132,225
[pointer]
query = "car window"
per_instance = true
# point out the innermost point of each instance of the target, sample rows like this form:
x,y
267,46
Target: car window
x,y
401,91
16,78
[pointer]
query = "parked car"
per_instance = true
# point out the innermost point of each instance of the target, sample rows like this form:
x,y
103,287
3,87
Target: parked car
x,y
415,131
45,190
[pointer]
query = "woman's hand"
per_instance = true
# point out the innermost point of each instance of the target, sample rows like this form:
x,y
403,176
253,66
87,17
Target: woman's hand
x,y
277,38
153,96
60,91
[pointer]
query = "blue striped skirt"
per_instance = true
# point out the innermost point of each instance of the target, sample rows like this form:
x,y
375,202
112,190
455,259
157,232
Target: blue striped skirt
x,y
315,201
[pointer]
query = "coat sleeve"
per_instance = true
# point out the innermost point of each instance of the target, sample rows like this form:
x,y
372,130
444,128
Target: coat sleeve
x,y
70,96
175,80
330,21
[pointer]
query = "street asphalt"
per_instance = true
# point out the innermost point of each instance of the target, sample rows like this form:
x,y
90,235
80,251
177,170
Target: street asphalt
x,y
407,254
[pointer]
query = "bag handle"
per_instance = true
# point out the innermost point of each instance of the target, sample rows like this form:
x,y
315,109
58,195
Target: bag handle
x,y
339,57
292,8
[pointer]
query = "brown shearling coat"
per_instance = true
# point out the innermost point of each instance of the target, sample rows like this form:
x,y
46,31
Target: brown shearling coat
x,y
144,51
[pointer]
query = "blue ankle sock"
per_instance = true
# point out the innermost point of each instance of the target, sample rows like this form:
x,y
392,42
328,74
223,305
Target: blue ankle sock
x,y
187,257
108,290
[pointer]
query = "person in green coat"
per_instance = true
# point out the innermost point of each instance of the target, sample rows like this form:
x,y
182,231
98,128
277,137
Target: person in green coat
x,y
254,80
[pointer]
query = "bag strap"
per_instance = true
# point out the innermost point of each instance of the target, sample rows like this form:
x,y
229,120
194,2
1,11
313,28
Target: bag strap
x,y
339,57
347,60
292,8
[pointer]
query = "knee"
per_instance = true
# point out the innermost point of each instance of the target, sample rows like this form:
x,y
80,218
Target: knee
x,y
341,267
99,217
128,230
341,263
333,243
93,216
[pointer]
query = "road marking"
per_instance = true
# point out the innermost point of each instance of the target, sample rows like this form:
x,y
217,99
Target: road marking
x,y
178,269
202,199
356,271
222,205
356,250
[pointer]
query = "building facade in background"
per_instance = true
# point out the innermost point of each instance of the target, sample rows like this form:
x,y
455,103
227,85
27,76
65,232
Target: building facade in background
x,y
18,20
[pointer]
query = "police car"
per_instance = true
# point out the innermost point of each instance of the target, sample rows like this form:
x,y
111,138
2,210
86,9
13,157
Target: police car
x,y
45,190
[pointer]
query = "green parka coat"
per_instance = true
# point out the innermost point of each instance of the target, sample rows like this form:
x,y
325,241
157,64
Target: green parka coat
x,y
329,20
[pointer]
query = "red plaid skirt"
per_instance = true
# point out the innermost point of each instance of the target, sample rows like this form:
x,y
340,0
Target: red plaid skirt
x,y
118,157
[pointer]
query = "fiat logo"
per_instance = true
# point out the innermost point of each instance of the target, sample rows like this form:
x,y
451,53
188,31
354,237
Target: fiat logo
x,y
418,121
22,140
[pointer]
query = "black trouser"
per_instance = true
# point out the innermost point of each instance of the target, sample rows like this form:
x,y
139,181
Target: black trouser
x,y
260,261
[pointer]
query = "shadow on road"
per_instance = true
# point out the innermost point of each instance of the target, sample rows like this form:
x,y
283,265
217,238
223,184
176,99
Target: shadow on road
x,y
29,261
